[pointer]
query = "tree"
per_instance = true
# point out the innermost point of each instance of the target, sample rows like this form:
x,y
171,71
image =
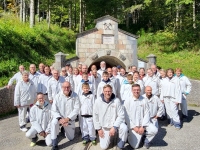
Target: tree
x,y
32,13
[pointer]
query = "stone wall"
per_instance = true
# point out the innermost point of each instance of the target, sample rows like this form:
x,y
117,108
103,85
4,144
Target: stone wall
x,y
6,100
194,96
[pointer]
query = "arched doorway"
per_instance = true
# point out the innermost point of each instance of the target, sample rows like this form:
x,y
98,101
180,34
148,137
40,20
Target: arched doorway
x,y
110,62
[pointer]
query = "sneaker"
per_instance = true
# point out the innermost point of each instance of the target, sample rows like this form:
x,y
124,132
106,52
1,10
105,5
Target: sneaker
x,y
84,142
177,127
23,128
54,148
94,142
32,144
146,145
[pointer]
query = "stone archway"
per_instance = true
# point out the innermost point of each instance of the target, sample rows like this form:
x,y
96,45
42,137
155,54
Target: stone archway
x,y
110,62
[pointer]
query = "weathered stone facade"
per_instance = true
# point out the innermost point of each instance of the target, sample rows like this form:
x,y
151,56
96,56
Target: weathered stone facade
x,y
106,42
6,100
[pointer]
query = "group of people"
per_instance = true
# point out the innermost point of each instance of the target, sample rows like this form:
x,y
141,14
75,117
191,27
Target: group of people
x,y
108,101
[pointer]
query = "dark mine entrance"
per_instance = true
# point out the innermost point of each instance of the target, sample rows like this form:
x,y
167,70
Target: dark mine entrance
x,y
110,62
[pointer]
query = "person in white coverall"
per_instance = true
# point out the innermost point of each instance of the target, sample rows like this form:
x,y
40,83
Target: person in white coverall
x,y
172,96
115,82
137,80
86,115
17,77
126,88
153,81
102,68
109,118
105,80
185,89
155,105
43,82
40,119
138,119
54,85
24,96
65,108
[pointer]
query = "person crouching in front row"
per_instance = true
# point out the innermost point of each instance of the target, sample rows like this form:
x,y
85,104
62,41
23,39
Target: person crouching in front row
x,y
86,112
40,118
65,108
108,117
138,119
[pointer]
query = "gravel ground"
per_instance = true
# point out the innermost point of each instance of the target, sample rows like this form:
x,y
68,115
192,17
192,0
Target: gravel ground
x,y
167,138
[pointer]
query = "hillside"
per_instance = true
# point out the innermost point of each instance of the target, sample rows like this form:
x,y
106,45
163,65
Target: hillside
x,y
168,52
20,44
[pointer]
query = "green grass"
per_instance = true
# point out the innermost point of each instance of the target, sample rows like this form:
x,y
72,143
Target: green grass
x,y
20,44
169,53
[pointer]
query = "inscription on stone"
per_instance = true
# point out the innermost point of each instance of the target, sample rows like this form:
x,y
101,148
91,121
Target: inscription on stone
x,y
108,39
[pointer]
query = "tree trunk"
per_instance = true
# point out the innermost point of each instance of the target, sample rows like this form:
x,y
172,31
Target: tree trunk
x,y
38,10
194,14
5,5
21,11
49,14
32,13
70,14
127,14
84,16
81,17
75,14
177,15
24,11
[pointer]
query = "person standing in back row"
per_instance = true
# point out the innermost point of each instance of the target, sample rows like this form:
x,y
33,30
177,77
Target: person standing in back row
x,y
102,68
17,77
185,89
24,96
171,94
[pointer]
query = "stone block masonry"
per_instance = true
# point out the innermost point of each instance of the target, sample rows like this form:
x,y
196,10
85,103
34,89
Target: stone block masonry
x,y
6,100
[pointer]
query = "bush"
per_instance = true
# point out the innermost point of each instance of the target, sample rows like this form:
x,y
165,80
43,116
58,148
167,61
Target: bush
x,y
20,44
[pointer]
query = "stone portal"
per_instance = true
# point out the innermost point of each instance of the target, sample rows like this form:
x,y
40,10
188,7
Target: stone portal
x,y
106,42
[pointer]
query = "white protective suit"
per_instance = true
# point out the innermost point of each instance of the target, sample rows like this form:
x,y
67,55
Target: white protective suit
x,y
107,115
40,119
138,115
117,86
186,87
69,78
64,107
35,78
54,87
25,94
170,92
153,82
86,119
126,90
102,84
17,77
155,107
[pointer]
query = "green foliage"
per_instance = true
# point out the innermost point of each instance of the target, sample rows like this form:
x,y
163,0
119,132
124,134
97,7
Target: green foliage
x,y
20,44
166,47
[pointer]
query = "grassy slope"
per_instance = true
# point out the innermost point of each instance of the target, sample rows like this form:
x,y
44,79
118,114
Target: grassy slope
x,y
21,45
163,46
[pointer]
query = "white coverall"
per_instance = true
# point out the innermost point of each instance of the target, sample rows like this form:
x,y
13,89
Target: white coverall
x,y
40,119
108,115
64,107
54,87
35,78
96,82
17,77
25,94
79,89
185,89
43,84
126,90
102,84
153,82
170,92
138,115
155,107
117,86
69,78
86,119
141,83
